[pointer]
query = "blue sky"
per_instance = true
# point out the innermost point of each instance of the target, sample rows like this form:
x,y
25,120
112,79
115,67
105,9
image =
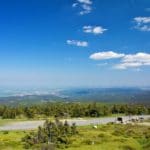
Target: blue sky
x,y
74,43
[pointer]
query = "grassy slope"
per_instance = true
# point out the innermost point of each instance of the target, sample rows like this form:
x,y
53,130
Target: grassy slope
x,y
106,137
103,138
11,140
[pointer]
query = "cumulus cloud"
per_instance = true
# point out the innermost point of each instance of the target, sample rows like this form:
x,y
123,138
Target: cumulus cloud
x,y
86,9
94,29
85,6
77,43
134,61
105,55
142,19
140,57
125,60
128,65
142,23
85,1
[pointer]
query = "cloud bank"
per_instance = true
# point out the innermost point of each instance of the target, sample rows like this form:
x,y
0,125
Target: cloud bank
x,y
126,60
134,60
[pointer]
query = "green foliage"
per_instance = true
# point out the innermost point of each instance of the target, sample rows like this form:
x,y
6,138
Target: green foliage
x,y
64,110
5,132
49,146
11,140
128,147
57,133
88,138
29,112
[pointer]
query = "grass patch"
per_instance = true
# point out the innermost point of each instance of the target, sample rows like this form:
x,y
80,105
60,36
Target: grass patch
x,y
105,137
10,140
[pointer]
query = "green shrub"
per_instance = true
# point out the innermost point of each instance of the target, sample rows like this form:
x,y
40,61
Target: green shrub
x,y
5,132
128,147
48,147
88,142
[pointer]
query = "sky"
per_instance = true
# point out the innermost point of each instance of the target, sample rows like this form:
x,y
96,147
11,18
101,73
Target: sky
x,y
75,43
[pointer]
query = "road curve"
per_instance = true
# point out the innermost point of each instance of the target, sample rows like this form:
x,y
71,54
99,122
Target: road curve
x,y
28,125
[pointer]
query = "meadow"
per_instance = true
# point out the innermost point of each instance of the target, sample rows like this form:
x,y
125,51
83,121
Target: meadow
x,y
105,137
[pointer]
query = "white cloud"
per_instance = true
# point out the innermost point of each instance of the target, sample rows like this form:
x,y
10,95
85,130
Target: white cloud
x,y
144,28
134,61
142,19
140,57
85,6
94,29
85,1
86,9
128,65
105,55
74,4
77,43
142,23
126,60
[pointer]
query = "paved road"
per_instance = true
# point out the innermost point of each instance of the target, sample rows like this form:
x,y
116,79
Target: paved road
x,y
27,125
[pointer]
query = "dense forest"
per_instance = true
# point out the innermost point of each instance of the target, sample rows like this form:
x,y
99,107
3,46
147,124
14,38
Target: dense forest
x,y
64,110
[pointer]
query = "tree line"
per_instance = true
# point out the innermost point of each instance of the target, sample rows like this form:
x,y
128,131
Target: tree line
x,y
71,110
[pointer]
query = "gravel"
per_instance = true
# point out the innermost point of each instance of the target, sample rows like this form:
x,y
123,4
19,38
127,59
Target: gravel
x,y
28,125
